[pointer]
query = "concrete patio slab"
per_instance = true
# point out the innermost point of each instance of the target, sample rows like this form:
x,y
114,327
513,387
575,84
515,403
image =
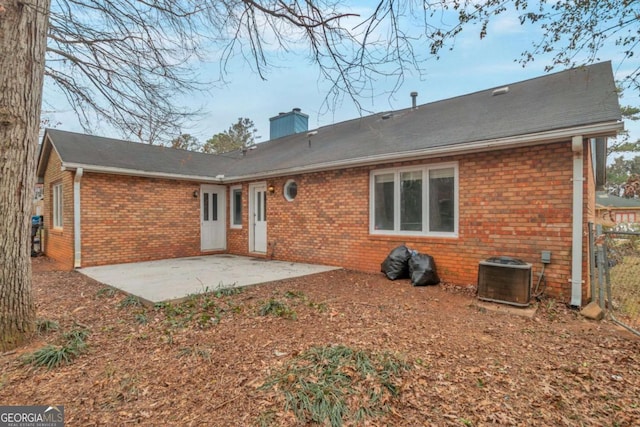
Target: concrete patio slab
x,y
172,279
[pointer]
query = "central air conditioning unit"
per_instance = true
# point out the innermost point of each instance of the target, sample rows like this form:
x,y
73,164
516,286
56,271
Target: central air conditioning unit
x,y
506,280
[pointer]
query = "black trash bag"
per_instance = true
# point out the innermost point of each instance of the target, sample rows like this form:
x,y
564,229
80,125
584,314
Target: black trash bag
x,y
422,269
396,264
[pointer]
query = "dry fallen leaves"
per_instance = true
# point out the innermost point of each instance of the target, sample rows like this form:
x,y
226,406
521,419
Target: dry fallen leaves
x,y
469,366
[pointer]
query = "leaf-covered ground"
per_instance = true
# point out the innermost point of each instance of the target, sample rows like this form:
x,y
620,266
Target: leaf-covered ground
x,y
206,361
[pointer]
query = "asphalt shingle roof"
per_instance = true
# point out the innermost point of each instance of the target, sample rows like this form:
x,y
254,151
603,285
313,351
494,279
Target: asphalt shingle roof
x,y
611,201
82,149
567,99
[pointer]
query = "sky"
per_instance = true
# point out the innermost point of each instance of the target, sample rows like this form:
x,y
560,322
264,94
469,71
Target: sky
x,y
474,64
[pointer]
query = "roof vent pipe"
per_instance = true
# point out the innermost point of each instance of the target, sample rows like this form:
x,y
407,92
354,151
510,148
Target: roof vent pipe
x,y
414,96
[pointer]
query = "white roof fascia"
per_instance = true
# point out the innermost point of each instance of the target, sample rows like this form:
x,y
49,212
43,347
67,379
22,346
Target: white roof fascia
x,y
46,142
135,172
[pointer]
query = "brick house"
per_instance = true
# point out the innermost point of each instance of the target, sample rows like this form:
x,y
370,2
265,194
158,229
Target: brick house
x,y
613,210
506,171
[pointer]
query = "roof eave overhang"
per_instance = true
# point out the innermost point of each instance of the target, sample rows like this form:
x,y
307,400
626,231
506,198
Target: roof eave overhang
x,y
589,131
605,129
139,173
43,157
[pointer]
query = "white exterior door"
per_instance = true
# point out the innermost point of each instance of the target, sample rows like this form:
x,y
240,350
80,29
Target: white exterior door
x,y
213,223
258,218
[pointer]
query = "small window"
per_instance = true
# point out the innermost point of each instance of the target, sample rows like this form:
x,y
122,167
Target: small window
x,y
57,205
236,207
290,190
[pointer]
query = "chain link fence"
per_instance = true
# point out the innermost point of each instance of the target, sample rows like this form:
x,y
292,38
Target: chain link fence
x,y
616,279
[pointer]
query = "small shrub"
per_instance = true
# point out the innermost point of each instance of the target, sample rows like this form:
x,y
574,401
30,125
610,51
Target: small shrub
x,y
277,308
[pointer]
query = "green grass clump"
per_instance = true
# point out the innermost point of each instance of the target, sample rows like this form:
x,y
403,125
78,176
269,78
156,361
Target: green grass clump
x,y
106,292
130,301
46,325
141,318
201,311
227,292
199,352
277,308
337,384
52,356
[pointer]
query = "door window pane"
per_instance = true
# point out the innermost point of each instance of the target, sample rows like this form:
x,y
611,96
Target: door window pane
x,y
383,200
205,207
264,205
259,205
441,200
214,206
411,201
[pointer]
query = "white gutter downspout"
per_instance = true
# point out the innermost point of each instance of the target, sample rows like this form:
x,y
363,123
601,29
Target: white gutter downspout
x,y
576,248
77,249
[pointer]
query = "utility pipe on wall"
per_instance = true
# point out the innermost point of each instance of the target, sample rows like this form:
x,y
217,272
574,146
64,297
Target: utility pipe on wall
x,y
576,247
77,249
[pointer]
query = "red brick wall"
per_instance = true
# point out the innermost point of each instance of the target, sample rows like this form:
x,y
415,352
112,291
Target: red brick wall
x,y
514,202
129,219
58,242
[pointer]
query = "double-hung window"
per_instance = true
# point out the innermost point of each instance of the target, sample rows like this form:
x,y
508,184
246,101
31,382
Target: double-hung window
x,y
57,205
420,200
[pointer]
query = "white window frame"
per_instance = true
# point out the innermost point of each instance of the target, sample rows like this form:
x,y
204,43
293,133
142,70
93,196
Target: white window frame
x,y
232,206
285,190
425,169
57,204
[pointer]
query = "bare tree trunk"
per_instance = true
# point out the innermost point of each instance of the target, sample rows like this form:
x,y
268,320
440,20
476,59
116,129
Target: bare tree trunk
x,y
23,30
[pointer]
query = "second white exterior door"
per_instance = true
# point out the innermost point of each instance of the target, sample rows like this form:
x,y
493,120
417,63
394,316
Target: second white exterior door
x,y
258,218
213,223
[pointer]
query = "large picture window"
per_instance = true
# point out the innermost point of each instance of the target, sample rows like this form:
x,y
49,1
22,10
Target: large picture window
x,y
415,200
57,200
